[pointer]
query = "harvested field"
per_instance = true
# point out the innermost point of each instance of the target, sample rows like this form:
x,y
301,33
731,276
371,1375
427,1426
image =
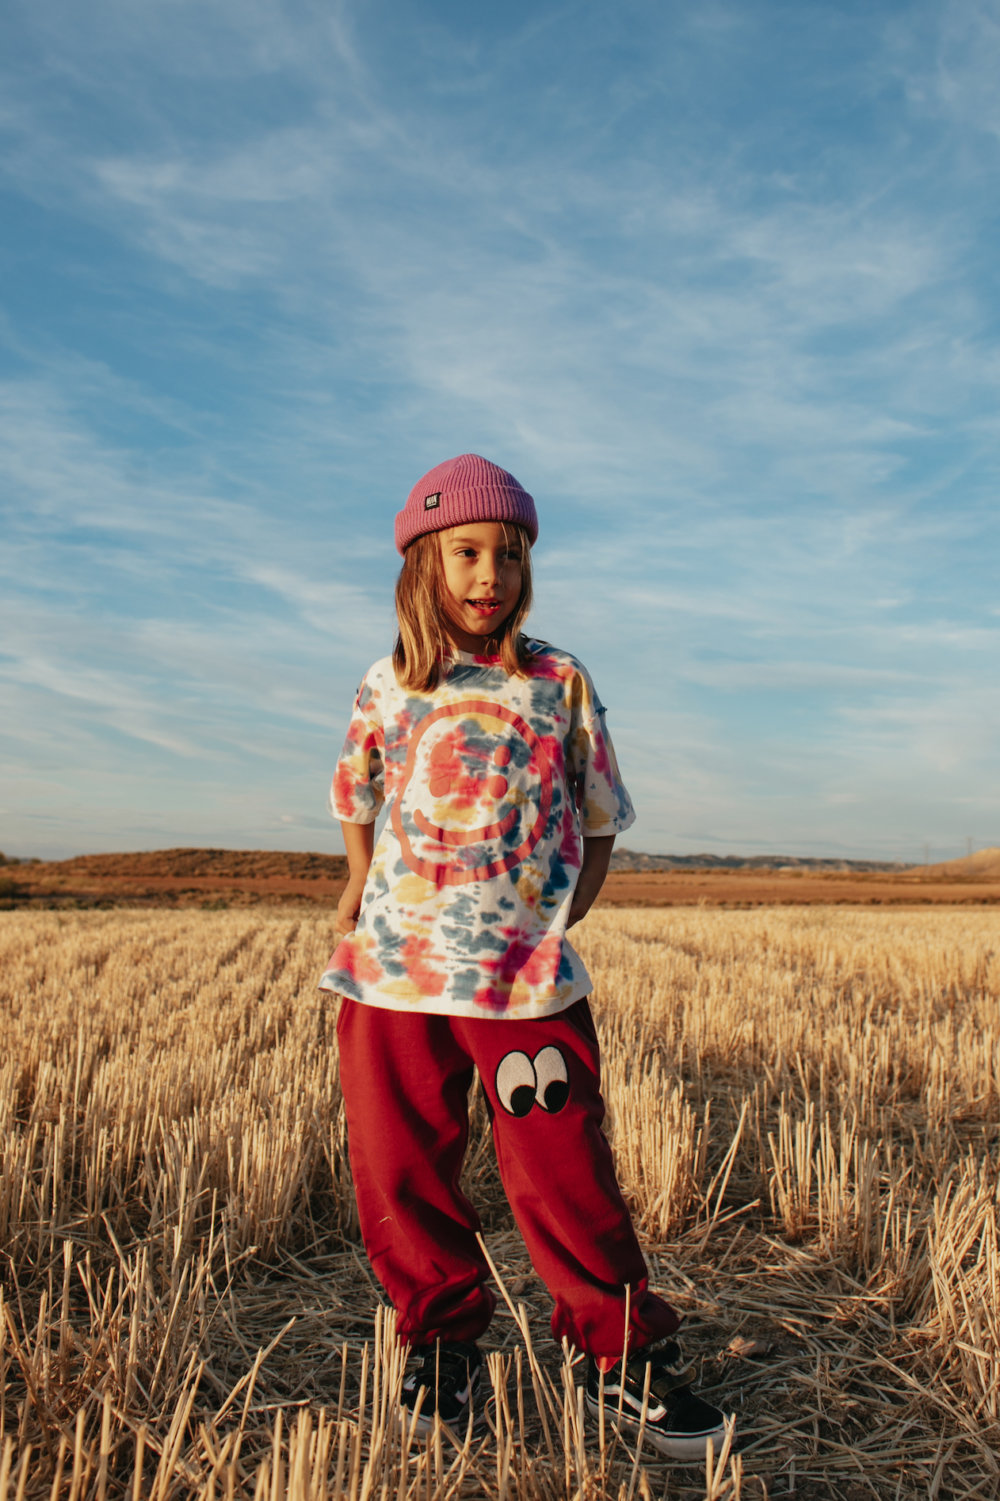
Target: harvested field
x,y
804,1103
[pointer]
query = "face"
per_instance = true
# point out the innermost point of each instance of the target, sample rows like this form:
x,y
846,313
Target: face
x,y
482,578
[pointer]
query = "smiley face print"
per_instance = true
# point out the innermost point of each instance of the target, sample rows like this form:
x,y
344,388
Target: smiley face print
x,y
522,1082
475,793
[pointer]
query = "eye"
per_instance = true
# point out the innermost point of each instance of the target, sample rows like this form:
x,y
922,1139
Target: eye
x,y
515,1082
553,1079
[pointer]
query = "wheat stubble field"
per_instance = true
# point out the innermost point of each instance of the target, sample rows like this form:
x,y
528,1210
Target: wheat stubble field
x,y
804,1106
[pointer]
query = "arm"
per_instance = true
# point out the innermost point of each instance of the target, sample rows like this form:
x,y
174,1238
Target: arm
x,y
596,859
359,842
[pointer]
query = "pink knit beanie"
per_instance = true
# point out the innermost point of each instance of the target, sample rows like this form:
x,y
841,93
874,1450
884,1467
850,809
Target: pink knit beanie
x,y
464,489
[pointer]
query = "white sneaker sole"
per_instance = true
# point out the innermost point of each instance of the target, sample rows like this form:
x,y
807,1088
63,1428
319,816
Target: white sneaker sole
x,y
674,1445
425,1422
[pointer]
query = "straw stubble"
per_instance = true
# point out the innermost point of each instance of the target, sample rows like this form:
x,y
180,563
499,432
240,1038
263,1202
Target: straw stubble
x,y
803,1105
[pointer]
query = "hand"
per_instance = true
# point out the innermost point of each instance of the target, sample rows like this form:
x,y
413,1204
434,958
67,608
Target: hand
x,y
578,907
349,907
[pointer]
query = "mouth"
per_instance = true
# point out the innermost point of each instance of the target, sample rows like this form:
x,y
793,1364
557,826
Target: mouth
x,y
484,607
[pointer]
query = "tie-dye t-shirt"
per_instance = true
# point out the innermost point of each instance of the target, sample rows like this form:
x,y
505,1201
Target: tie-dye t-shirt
x,y
489,782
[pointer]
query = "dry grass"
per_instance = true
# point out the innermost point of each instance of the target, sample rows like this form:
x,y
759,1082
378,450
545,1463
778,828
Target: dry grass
x,y
804,1104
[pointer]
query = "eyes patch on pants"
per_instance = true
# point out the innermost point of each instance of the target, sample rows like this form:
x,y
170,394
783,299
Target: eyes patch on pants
x,y
521,1081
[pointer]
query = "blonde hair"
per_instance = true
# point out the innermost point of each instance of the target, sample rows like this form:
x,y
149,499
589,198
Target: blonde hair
x,y
421,609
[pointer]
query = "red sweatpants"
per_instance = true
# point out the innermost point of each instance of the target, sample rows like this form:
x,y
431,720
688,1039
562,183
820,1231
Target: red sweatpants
x,y
406,1080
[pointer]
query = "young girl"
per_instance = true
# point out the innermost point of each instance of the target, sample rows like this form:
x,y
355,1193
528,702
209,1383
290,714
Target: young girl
x,y
489,752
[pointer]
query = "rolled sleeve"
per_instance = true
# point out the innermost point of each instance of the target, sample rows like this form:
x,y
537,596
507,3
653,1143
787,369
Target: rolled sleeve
x,y
604,805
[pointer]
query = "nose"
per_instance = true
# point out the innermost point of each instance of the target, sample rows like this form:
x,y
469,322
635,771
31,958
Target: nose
x,y
489,569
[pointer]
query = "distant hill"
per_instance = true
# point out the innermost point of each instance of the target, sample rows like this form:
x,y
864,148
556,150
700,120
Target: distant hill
x,y
984,865
215,878
176,878
219,864
623,859
256,865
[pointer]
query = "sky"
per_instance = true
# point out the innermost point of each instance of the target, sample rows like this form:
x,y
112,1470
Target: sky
x,y
718,282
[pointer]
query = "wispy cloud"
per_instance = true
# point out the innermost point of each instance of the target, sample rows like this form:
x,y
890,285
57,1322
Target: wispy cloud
x,y
717,286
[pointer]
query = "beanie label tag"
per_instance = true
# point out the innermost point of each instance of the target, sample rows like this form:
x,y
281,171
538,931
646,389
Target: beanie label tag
x,y
431,502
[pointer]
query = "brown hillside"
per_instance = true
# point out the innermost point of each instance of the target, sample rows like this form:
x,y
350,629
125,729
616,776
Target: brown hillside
x,y
178,878
240,878
220,864
984,865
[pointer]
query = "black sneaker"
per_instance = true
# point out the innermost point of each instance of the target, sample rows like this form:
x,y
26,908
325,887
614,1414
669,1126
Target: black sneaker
x,y
448,1373
678,1422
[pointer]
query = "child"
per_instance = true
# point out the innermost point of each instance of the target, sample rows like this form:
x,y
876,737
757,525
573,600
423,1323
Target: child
x,y
489,751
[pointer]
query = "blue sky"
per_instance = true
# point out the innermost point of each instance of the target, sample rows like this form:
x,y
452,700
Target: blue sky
x,y
718,282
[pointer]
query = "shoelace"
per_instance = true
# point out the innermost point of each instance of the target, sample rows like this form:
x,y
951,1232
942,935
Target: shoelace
x,y
669,1372
434,1367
